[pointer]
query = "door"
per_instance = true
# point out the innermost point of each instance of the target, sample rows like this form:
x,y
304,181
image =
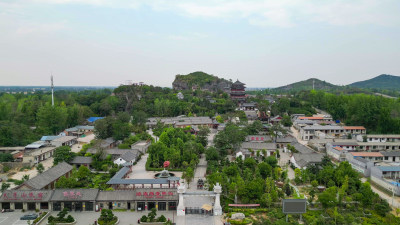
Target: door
x,y
110,205
78,206
140,206
31,206
129,205
162,206
171,205
5,205
57,206
151,205
44,205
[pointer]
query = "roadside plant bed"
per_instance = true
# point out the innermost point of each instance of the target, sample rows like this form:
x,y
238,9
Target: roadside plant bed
x,y
240,222
151,217
41,217
61,218
107,217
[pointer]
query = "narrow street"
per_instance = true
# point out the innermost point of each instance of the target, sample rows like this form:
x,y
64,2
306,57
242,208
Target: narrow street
x,y
388,198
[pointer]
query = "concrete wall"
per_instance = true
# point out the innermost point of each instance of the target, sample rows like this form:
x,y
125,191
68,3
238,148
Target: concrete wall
x,y
386,185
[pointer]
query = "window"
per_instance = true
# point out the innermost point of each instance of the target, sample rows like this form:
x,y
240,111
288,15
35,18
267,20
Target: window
x,y
386,158
101,205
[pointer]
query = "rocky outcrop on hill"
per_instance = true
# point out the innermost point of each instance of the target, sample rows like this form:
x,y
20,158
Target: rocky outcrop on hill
x,y
201,81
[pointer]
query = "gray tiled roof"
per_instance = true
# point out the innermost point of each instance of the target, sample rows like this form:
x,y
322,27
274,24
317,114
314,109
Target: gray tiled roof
x,y
392,153
301,148
48,176
82,160
304,159
75,194
116,196
130,155
26,196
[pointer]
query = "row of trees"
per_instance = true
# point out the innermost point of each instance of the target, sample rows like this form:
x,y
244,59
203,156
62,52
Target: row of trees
x,y
378,114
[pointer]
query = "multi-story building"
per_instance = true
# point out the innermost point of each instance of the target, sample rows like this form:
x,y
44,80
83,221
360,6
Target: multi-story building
x,y
238,91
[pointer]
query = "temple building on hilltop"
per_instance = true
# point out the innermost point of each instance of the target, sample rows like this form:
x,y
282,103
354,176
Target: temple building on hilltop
x,y
237,91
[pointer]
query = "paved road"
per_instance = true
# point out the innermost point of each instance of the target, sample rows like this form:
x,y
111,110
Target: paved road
x,y
388,198
296,134
283,162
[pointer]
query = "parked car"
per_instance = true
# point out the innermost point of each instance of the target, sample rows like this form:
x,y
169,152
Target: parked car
x,y
29,216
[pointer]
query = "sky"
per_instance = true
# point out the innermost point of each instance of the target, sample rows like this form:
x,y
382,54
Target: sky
x,y
261,43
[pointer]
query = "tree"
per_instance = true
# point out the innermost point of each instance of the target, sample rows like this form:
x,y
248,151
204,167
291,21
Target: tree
x,y
40,168
328,197
6,157
52,119
120,130
63,154
288,190
297,178
4,186
188,175
286,121
254,128
103,128
202,136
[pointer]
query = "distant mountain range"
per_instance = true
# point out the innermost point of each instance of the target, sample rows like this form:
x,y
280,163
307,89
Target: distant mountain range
x,y
381,82
307,85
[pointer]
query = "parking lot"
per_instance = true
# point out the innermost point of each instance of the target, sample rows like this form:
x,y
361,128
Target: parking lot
x,y
12,218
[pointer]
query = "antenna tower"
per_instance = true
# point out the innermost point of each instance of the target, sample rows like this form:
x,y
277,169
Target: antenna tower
x,y
52,91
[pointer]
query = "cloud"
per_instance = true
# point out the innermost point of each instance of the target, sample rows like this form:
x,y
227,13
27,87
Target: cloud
x,y
187,37
279,13
42,28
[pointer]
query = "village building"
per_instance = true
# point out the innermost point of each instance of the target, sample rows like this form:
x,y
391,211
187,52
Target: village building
x,y
302,161
372,156
74,199
47,179
387,176
336,152
379,146
248,106
347,145
355,130
392,156
309,132
301,148
250,149
379,138
181,121
128,157
26,199
362,165
79,161
258,138
36,156
78,131
141,146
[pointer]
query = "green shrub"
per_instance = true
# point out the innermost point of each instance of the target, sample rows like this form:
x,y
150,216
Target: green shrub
x,y
143,219
162,219
6,169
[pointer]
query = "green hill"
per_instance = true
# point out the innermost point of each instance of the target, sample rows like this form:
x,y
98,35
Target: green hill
x,y
200,80
383,81
307,85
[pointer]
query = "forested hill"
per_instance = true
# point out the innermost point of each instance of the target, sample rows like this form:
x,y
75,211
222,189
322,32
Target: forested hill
x,y
200,80
307,85
383,81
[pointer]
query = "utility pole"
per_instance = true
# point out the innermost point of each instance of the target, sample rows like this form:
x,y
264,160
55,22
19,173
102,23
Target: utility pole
x,y
52,90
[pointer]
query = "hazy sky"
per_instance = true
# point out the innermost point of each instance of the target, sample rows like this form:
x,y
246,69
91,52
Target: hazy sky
x,y
262,43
